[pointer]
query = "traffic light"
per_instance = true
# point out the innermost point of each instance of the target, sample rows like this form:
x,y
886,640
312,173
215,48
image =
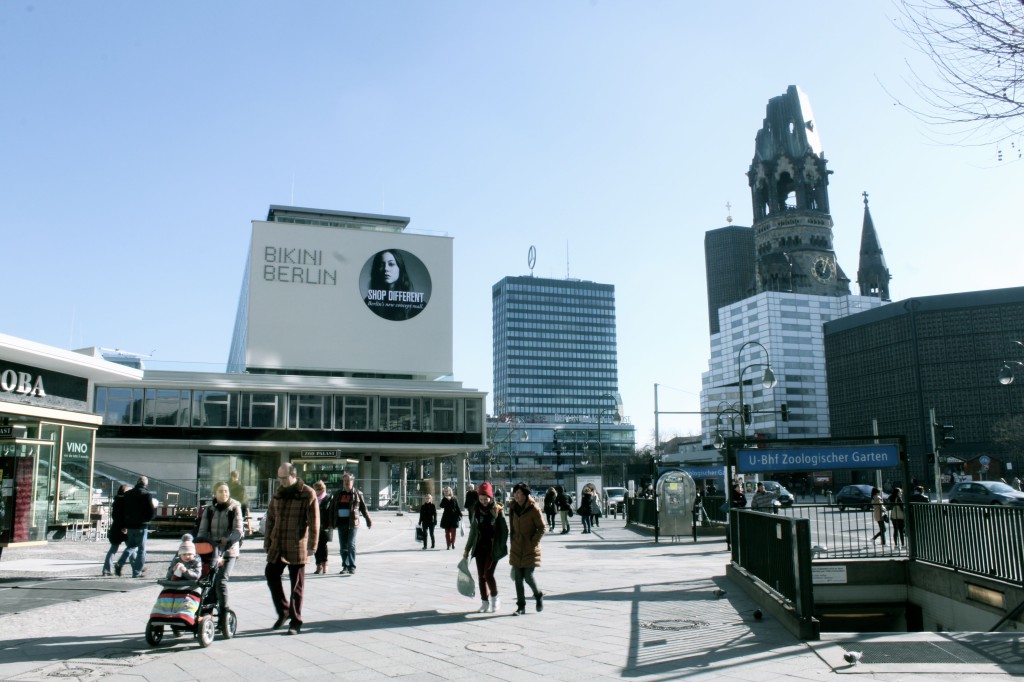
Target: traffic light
x,y
784,408
746,414
947,434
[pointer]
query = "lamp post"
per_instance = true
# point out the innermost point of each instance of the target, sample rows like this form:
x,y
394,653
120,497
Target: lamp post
x,y
600,446
768,380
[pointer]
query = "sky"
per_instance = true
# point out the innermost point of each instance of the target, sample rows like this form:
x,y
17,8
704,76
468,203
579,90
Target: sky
x,y
139,140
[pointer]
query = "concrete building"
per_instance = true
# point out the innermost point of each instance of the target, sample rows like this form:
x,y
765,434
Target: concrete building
x,y
896,363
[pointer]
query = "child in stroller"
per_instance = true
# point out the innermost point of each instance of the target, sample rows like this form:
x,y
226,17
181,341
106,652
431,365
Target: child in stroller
x,y
188,602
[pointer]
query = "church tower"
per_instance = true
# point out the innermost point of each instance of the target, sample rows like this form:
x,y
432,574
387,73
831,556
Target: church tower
x,y
872,275
788,182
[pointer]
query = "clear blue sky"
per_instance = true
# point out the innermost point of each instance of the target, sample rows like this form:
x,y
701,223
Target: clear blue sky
x,y
139,139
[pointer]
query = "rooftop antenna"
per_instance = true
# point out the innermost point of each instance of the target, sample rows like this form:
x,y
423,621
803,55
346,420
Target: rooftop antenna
x,y
531,258
728,213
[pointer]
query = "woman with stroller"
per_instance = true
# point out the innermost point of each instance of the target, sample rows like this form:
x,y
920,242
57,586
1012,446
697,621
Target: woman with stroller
x,y
451,517
221,525
117,533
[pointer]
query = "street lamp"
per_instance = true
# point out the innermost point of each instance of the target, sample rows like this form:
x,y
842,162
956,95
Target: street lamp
x,y
768,380
1006,373
600,446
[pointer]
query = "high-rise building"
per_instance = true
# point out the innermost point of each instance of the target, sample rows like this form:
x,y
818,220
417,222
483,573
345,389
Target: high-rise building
x,y
554,348
558,415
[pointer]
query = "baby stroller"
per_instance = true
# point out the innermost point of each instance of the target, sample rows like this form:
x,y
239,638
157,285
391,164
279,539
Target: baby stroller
x,y
186,606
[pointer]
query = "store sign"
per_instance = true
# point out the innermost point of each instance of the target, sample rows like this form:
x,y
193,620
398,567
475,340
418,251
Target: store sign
x,y
21,382
320,453
816,459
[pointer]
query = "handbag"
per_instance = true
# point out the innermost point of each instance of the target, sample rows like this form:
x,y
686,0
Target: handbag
x,y
465,582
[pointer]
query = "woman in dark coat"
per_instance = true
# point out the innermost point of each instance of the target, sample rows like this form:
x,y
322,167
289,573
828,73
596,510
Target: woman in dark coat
x,y
550,507
586,508
451,516
526,527
117,533
488,543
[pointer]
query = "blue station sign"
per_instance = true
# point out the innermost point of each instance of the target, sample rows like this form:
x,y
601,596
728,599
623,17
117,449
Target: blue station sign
x,y
818,459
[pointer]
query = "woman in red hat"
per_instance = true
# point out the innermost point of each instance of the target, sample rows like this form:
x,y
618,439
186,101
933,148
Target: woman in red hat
x,y
488,543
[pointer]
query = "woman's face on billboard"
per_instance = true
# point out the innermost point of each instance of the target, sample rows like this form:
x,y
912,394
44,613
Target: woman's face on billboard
x,y
390,265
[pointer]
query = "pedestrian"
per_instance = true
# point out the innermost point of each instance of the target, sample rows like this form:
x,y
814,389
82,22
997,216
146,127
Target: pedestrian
x,y
451,517
323,543
291,532
878,514
488,543
564,504
222,527
117,532
550,508
919,495
763,501
347,505
470,501
526,528
238,495
586,507
139,509
739,499
897,513
428,519
186,564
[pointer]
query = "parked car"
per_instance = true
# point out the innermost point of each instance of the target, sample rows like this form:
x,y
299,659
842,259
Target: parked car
x,y
985,492
779,492
857,495
613,500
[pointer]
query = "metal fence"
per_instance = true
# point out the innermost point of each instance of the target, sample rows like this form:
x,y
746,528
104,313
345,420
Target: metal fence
x,y
981,539
848,534
776,550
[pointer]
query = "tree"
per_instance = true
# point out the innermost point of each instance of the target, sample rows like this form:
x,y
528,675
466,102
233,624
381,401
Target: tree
x,y
977,50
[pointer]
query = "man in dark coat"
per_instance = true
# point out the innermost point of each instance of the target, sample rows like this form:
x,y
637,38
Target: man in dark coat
x,y
139,509
292,531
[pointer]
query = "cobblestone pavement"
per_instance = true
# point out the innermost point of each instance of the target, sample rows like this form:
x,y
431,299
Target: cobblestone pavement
x,y
617,606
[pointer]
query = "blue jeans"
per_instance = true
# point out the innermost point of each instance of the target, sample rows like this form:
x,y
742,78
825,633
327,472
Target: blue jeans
x,y
135,550
347,538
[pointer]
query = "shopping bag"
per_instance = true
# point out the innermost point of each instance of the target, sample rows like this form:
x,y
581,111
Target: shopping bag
x,y
467,586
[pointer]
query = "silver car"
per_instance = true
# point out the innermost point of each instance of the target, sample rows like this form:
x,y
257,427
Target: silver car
x,y
985,492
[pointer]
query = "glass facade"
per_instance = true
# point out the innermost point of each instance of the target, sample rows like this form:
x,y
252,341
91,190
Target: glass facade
x,y
198,408
555,350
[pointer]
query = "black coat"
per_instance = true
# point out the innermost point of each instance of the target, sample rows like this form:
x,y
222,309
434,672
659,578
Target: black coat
x,y
138,507
450,513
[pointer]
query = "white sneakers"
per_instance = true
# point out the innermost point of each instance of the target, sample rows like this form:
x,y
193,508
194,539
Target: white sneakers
x,y
485,606
495,604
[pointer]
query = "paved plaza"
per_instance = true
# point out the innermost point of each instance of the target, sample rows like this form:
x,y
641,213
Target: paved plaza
x,y
618,606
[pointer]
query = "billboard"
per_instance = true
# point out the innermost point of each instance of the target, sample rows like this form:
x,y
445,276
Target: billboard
x,y
339,299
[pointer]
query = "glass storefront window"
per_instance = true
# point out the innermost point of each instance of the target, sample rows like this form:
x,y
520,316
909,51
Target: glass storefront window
x,y
214,408
309,412
166,407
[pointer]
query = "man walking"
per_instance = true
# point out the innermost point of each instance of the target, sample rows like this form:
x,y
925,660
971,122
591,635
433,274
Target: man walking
x,y
292,531
345,508
139,508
